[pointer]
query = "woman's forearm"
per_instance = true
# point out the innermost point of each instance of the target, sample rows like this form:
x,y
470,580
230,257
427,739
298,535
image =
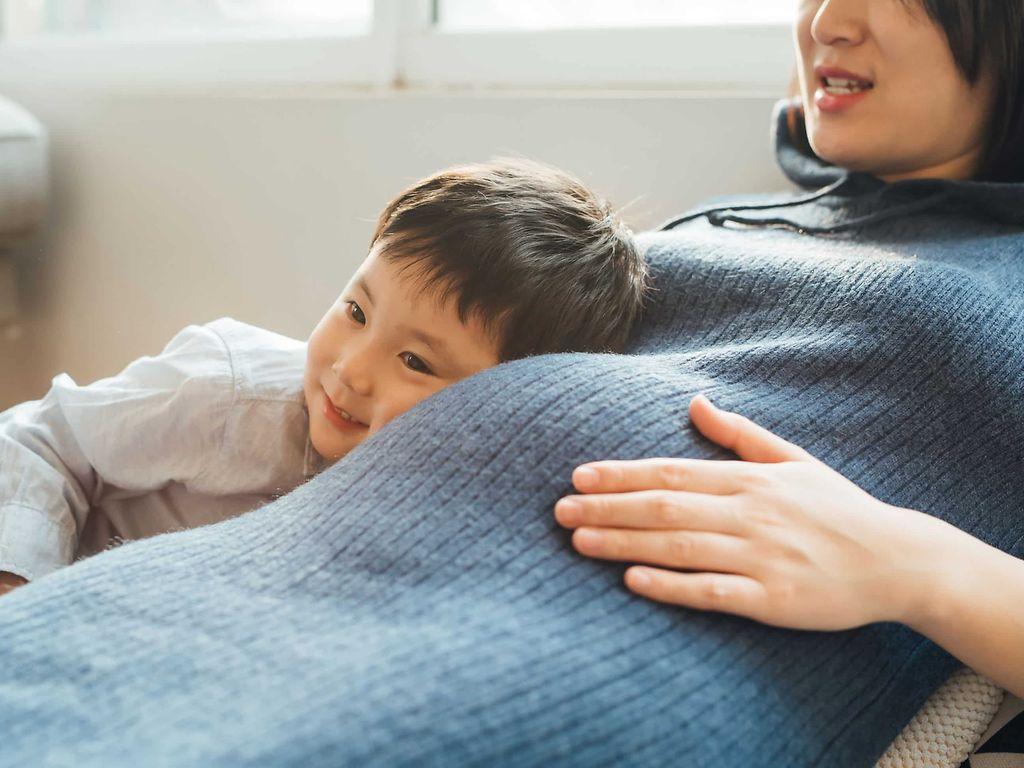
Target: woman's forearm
x,y
974,608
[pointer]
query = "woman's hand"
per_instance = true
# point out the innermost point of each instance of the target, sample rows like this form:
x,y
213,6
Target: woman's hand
x,y
780,537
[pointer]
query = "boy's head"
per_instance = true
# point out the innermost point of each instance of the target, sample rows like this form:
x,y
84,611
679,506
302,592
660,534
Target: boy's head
x,y
468,268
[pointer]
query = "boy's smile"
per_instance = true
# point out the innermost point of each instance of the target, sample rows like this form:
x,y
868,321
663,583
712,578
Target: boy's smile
x,y
339,417
385,345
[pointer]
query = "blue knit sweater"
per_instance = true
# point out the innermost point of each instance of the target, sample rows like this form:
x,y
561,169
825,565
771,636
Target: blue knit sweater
x,y
417,605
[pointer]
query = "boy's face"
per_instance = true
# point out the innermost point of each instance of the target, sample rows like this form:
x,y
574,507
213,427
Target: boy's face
x,y
384,346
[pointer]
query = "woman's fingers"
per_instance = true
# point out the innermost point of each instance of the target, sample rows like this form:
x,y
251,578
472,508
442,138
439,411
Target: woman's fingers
x,y
742,436
656,510
752,443
724,592
694,550
695,475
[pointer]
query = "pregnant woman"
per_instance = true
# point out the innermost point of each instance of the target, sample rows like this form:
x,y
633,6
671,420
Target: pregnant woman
x,y
915,100
416,604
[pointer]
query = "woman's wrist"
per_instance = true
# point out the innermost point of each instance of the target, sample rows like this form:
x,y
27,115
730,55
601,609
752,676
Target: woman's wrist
x,y
971,607
938,580
926,582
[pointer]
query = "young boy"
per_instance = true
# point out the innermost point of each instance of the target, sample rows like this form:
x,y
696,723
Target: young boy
x,y
468,268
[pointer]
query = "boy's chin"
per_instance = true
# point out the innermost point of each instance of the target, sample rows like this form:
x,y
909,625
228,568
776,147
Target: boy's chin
x,y
331,449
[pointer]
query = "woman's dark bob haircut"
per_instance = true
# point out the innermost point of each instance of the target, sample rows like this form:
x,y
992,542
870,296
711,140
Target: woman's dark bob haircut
x,y
987,39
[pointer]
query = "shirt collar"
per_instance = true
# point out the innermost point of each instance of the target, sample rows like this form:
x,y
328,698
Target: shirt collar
x,y
312,462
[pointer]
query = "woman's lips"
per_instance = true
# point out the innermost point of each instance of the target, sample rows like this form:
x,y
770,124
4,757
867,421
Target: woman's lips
x,y
839,89
339,421
832,103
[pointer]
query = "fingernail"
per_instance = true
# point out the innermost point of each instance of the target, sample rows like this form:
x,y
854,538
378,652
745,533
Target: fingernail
x,y
585,476
569,511
587,539
639,578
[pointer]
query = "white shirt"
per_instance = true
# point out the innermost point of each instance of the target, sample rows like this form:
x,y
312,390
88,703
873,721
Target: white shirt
x,y
213,426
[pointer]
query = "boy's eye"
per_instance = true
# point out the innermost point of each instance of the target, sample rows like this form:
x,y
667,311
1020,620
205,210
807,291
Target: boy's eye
x,y
356,313
414,363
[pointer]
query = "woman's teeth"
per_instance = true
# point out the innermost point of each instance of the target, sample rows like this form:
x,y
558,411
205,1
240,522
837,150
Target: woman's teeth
x,y
839,86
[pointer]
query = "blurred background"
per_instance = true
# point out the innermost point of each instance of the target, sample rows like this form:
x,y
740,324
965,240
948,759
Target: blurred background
x,y
229,157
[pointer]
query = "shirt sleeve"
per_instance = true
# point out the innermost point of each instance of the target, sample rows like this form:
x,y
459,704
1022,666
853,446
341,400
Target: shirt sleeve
x,y
154,422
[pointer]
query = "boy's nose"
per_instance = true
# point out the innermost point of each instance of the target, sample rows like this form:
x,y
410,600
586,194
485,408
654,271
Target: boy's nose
x,y
353,372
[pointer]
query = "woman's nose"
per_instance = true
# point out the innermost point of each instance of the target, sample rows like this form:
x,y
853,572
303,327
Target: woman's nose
x,y
352,367
840,22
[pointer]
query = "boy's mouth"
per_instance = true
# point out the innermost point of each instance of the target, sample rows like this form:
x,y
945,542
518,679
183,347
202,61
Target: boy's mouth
x,y
339,417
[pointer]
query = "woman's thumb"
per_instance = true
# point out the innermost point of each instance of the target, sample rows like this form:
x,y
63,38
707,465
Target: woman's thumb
x,y
742,436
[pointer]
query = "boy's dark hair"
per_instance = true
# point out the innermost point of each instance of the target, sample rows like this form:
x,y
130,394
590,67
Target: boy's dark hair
x,y
544,264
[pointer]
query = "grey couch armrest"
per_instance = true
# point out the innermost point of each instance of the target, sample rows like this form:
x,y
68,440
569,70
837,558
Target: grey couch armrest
x,y
23,173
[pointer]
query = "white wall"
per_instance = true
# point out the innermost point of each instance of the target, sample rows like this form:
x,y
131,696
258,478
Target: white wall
x,y
171,208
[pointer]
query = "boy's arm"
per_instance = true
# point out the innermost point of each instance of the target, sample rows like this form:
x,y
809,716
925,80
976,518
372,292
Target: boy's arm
x,y
154,422
46,485
9,581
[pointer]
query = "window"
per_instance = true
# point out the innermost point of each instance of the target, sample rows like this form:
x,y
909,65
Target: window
x,y
691,44
126,18
679,44
476,15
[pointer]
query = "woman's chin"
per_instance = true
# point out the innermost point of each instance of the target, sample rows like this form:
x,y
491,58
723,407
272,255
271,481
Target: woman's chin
x,y
841,148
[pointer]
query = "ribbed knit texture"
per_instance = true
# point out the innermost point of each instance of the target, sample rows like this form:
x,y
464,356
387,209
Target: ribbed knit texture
x,y
417,605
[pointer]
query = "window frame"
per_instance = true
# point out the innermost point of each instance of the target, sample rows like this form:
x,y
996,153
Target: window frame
x,y
404,49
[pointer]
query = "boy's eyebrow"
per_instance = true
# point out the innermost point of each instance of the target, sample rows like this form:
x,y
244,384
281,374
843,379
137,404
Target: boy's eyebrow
x,y
439,346
366,289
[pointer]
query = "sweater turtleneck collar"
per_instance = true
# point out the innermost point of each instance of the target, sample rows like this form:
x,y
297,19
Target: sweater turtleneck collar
x,y
867,198
999,201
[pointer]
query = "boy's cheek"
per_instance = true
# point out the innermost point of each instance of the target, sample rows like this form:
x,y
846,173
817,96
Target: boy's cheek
x,y
400,405
320,349
393,412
